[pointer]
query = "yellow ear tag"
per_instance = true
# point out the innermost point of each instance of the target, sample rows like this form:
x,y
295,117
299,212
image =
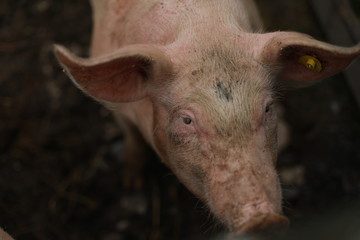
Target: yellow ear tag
x,y
311,63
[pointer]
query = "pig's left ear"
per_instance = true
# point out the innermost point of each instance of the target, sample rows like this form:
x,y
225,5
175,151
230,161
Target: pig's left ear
x,y
123,76
303,59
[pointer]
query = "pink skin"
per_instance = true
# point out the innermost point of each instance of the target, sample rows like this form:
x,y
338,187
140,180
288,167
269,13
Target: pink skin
x,y
198,84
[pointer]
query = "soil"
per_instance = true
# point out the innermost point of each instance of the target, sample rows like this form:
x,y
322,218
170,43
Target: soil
x,y
60,152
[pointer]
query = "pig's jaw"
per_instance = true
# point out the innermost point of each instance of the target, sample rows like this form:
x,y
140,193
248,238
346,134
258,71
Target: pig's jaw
x,y
258,217
269,224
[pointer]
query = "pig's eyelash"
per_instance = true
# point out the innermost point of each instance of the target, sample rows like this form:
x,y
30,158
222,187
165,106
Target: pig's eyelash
x,y
268,107
187,120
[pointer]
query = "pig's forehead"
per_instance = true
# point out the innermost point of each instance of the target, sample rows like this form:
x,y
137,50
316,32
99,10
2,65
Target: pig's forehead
x,y
220,60
228,73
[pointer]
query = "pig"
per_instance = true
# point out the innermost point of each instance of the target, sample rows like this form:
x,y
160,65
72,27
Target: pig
x,y
198,81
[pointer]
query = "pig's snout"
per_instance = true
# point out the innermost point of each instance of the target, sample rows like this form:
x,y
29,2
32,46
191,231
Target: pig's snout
x,y
265,224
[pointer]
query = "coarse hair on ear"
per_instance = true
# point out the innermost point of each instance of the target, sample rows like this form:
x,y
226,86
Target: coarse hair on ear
x,y
122,76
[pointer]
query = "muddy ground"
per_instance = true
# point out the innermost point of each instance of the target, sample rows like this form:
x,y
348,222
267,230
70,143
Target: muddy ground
x,y
60,151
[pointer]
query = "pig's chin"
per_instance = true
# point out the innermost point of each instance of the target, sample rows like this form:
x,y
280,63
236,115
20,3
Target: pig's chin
x,y
267,224
253,222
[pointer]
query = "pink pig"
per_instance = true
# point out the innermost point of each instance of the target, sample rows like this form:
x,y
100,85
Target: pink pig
x,y
199,82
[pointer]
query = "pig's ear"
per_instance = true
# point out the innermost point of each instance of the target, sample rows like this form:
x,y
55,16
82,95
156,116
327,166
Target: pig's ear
x,y
123,76
303,59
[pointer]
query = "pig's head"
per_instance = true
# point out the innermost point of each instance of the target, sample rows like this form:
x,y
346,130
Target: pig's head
x,y
214,117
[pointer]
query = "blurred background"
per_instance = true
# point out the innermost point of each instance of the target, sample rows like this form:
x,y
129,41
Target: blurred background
x,y
60,151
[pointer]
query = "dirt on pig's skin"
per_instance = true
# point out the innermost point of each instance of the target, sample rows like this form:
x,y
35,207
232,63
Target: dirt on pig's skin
x,y
59,151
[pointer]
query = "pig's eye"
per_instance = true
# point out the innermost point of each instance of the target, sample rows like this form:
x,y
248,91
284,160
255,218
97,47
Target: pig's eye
x,y
267,109
186,120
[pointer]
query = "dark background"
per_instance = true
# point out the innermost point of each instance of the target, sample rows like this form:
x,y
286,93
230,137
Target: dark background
x,y
60,151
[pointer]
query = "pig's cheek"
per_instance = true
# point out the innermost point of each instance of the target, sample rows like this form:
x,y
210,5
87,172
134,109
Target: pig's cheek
x,y
177,139
270,122
181,140
192,176
184,161
270,128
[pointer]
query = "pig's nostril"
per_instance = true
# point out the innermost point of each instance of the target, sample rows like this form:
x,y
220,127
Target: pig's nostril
x,y
264,224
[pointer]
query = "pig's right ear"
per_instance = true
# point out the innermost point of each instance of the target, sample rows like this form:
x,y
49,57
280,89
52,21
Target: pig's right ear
x,y
302,60
123,76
